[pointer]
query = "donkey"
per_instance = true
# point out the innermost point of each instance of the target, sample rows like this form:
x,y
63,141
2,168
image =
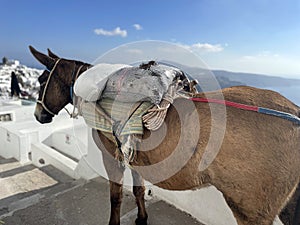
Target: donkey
x,y
257,168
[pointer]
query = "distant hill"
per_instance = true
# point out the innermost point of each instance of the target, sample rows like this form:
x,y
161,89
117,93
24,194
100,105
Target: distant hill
x,y
257,80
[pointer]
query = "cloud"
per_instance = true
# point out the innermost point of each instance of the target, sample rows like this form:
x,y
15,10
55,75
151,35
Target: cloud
x,y
207,47
137,26
196,48
204,47
116,32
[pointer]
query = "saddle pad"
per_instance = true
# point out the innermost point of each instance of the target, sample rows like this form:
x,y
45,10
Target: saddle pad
x,y
118,111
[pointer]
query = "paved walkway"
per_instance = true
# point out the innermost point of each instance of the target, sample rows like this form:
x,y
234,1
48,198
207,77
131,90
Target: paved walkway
x,y
55,199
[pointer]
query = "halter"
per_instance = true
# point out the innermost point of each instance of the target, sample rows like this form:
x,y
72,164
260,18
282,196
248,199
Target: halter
x,y
74,78
45,89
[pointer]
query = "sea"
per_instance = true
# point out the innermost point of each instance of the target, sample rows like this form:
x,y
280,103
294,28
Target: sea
x,y
290,92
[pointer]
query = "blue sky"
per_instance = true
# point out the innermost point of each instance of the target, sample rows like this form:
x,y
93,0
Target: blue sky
x,y
259,36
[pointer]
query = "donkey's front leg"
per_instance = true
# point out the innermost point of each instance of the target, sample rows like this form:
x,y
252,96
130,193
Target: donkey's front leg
x,y
139,192
115,202
115,174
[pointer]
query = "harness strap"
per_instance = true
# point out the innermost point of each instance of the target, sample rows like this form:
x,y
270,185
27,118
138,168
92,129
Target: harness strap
x,y
262,110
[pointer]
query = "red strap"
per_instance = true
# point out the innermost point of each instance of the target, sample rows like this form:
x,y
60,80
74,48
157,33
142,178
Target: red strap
x,y
227,103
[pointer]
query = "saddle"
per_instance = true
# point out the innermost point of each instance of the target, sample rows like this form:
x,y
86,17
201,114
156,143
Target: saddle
x,y
123,99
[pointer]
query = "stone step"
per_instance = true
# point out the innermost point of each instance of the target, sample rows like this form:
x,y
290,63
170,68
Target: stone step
x,y
26,185
45,195
5,161
12,169
8,164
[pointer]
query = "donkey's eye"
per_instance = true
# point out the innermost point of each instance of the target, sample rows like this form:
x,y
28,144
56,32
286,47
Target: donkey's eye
x,y
42,84
43,77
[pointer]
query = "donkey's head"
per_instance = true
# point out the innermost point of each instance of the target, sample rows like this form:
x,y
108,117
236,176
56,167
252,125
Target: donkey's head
x,y
55,85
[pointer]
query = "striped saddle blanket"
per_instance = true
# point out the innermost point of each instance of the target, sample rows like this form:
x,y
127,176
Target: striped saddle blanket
x,y
116,111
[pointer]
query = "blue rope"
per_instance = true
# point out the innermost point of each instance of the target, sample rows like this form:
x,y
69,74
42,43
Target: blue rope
x,y
283,115
71,93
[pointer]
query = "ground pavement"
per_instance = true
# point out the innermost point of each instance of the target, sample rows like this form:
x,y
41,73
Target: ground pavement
x,y
46,196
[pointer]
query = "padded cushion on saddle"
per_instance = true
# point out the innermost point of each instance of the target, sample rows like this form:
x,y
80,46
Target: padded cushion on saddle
x,y
90,84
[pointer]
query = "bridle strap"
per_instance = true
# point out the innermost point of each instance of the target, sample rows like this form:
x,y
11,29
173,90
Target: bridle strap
x,y
45,89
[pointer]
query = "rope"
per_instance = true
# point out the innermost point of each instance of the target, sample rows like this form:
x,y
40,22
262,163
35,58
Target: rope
x,y
227,103
156,115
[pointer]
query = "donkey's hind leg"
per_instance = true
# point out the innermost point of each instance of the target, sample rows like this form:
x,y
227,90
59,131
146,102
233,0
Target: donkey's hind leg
x,y
139,192
296,220
243,219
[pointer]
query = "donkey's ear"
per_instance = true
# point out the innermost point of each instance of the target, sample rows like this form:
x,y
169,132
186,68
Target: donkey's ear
x,y
42,58
52,55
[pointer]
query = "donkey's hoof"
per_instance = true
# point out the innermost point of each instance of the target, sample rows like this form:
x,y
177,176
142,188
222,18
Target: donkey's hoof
x,y
139,221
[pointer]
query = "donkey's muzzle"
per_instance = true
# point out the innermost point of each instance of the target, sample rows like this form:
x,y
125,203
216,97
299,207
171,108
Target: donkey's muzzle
x,y
44,118
42,115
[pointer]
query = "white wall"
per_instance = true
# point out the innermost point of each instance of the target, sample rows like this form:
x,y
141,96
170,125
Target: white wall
x,y
15,140
17,136
69,142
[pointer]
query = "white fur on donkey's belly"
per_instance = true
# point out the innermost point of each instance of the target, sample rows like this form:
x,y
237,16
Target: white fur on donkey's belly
x,y
91,83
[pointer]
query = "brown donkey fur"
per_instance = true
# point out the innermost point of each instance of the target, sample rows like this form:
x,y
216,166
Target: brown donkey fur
x,y
257,168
